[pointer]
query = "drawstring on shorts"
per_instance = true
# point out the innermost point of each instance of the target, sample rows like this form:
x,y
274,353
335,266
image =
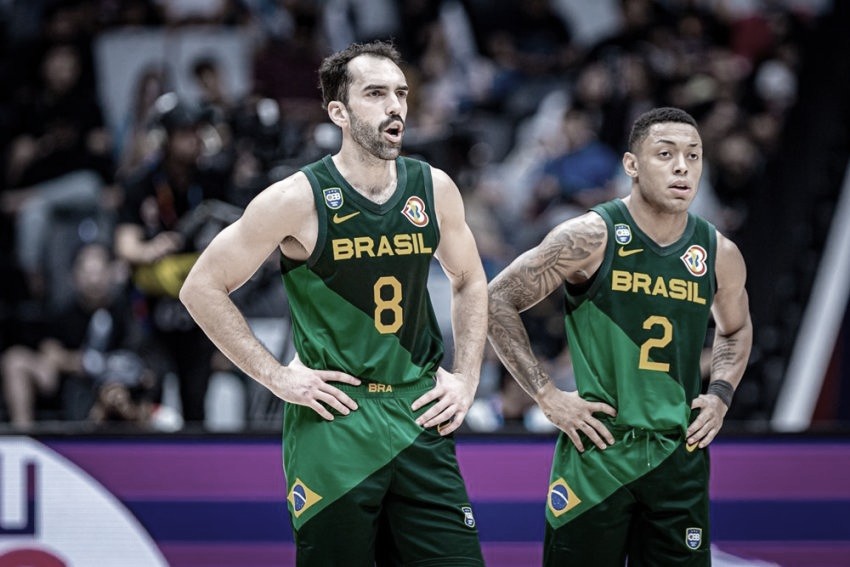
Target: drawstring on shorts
x,y
649,435
631,437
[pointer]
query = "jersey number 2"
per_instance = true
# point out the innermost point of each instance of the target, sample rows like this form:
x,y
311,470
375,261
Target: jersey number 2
x,y
388,312
660,342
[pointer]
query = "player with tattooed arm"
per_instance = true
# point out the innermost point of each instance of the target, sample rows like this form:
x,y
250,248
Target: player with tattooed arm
x,y
641,278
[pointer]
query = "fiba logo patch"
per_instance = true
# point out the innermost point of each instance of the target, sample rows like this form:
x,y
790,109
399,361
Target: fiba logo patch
x,y
301,497
414,210
622,233
333,197
696,260
561,498
693,537
468,518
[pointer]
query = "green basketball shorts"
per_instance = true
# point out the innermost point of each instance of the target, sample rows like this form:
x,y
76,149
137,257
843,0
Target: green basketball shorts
x,y
373,487
636,499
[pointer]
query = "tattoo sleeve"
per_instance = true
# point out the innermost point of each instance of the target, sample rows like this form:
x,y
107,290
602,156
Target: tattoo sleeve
x,y
529,279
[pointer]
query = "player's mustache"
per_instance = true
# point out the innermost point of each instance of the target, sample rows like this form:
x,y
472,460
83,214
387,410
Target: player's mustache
x,y
386,123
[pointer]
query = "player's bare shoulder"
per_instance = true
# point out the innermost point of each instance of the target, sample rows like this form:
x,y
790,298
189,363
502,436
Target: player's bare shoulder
x,y
572,251
729,266
447,197
576,246
286,210
442,180
291,194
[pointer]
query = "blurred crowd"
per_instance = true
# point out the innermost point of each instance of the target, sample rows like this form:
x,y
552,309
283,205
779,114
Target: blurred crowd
x,y
526,104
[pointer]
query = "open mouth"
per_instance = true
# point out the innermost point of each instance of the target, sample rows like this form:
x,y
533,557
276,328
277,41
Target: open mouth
x,y
394,132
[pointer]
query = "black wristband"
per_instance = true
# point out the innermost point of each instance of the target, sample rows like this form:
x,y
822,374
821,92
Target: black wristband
x,y
723,390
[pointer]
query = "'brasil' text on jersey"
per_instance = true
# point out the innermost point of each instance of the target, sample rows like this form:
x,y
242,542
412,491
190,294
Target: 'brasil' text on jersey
x,y
360,246
674,288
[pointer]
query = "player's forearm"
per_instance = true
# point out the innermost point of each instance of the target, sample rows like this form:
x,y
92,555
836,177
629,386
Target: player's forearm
x,y
222,322
730,354
469,324
510,340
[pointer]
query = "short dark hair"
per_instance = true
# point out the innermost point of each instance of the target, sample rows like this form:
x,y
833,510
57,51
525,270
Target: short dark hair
x,y
640,128
334,78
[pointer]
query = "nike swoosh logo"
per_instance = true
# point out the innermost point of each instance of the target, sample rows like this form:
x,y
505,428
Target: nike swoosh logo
x,y
622,252
341,219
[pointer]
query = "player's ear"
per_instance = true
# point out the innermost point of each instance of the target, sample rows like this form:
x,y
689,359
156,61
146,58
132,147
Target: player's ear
x,y
337,113
630,164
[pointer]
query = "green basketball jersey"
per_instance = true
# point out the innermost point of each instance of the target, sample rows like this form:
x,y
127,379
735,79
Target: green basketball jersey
x,y
637,331
360,302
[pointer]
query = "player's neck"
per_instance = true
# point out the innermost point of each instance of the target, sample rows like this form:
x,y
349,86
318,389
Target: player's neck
x,y
372,177
663,227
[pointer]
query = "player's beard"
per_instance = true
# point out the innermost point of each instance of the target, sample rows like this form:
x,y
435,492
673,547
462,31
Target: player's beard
x,y
372,140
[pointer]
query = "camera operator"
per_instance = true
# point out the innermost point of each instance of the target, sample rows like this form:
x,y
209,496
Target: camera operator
x,y
172,205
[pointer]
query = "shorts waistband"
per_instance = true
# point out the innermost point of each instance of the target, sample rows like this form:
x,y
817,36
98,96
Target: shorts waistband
x,y
621,429
370,389
636,432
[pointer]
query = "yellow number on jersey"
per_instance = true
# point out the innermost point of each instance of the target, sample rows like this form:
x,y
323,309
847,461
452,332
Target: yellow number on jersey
x,y
392,304
660,342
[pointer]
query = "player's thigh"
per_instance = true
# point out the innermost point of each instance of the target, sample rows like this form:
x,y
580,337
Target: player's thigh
x,y
430,519
337,474
597,537
673,526
344,533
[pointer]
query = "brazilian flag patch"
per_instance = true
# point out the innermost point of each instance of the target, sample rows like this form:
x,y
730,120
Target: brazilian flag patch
x,y
301,497
561,498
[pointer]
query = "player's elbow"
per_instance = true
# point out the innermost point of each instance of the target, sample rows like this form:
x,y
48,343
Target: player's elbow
x,y
190,291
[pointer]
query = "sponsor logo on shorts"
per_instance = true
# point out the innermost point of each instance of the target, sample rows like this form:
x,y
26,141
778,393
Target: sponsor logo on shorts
x,y
333,197
468,518
561,498
301,497
693,537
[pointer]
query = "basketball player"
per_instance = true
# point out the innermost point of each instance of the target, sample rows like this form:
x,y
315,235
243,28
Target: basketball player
x,y
368,451
641,278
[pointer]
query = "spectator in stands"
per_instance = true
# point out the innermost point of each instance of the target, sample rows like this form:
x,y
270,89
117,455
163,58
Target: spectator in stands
x,y
580,176
214,98
284,71
53,378
59,158
531,45
136,142
164,223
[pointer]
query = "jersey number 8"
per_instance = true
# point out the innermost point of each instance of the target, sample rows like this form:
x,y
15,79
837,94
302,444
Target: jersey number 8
x,y
389,315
